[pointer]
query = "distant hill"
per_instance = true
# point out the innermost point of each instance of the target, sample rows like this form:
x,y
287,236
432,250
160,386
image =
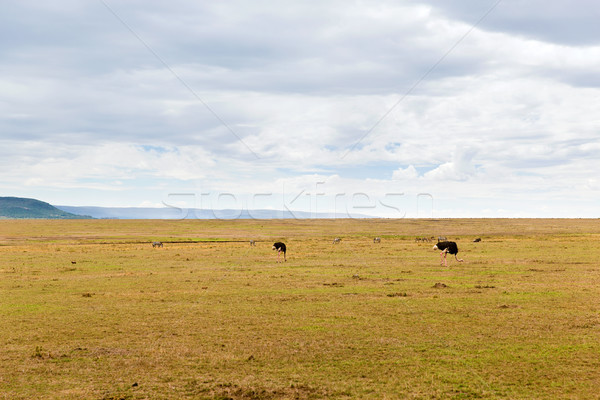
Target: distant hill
x,y
18,207
194,213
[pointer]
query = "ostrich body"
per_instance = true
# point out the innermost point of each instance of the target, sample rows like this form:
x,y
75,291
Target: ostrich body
x,y
280,247
447,247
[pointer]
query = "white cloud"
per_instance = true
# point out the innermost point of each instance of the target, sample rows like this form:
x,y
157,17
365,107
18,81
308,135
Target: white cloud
x,y
460,168
292,89
101,166
405,173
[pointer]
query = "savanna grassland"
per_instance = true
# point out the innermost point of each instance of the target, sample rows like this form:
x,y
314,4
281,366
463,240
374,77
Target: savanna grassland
x,y
89,310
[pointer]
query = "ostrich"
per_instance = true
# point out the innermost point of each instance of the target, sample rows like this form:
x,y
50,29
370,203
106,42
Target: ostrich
x,y
447,247
336,240
280,247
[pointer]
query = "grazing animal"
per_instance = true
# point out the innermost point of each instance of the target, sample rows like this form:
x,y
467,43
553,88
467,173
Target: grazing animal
x,y
252,243
336,240
377,240
442,238
280,247
157,244
477,240
447,247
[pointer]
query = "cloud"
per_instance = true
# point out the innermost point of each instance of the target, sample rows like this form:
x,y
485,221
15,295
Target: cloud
x,y
552,21
460,168
102,166
367,95
405,173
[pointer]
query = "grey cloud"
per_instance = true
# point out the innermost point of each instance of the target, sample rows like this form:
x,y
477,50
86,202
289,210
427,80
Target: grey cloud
x,y
558,21
299,82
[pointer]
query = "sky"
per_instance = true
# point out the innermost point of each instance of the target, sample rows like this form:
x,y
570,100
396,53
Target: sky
x,y
396,109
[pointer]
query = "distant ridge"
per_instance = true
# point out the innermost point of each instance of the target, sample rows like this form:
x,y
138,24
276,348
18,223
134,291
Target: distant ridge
x,y
22,208
195,213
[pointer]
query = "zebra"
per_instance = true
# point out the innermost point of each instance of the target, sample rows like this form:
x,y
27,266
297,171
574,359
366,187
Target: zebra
x,y
336,240
377,240
252,243
157,244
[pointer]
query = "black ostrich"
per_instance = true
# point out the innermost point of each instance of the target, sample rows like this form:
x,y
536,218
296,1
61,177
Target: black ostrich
x,y
447,247
280,247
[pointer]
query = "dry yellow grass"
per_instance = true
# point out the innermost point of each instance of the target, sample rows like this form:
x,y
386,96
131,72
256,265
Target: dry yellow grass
x,y
89,310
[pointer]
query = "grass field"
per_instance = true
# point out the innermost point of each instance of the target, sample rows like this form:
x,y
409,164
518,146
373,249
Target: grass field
x,y
89,310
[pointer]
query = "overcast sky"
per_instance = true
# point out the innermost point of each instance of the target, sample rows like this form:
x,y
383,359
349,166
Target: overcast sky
x,y
471,108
